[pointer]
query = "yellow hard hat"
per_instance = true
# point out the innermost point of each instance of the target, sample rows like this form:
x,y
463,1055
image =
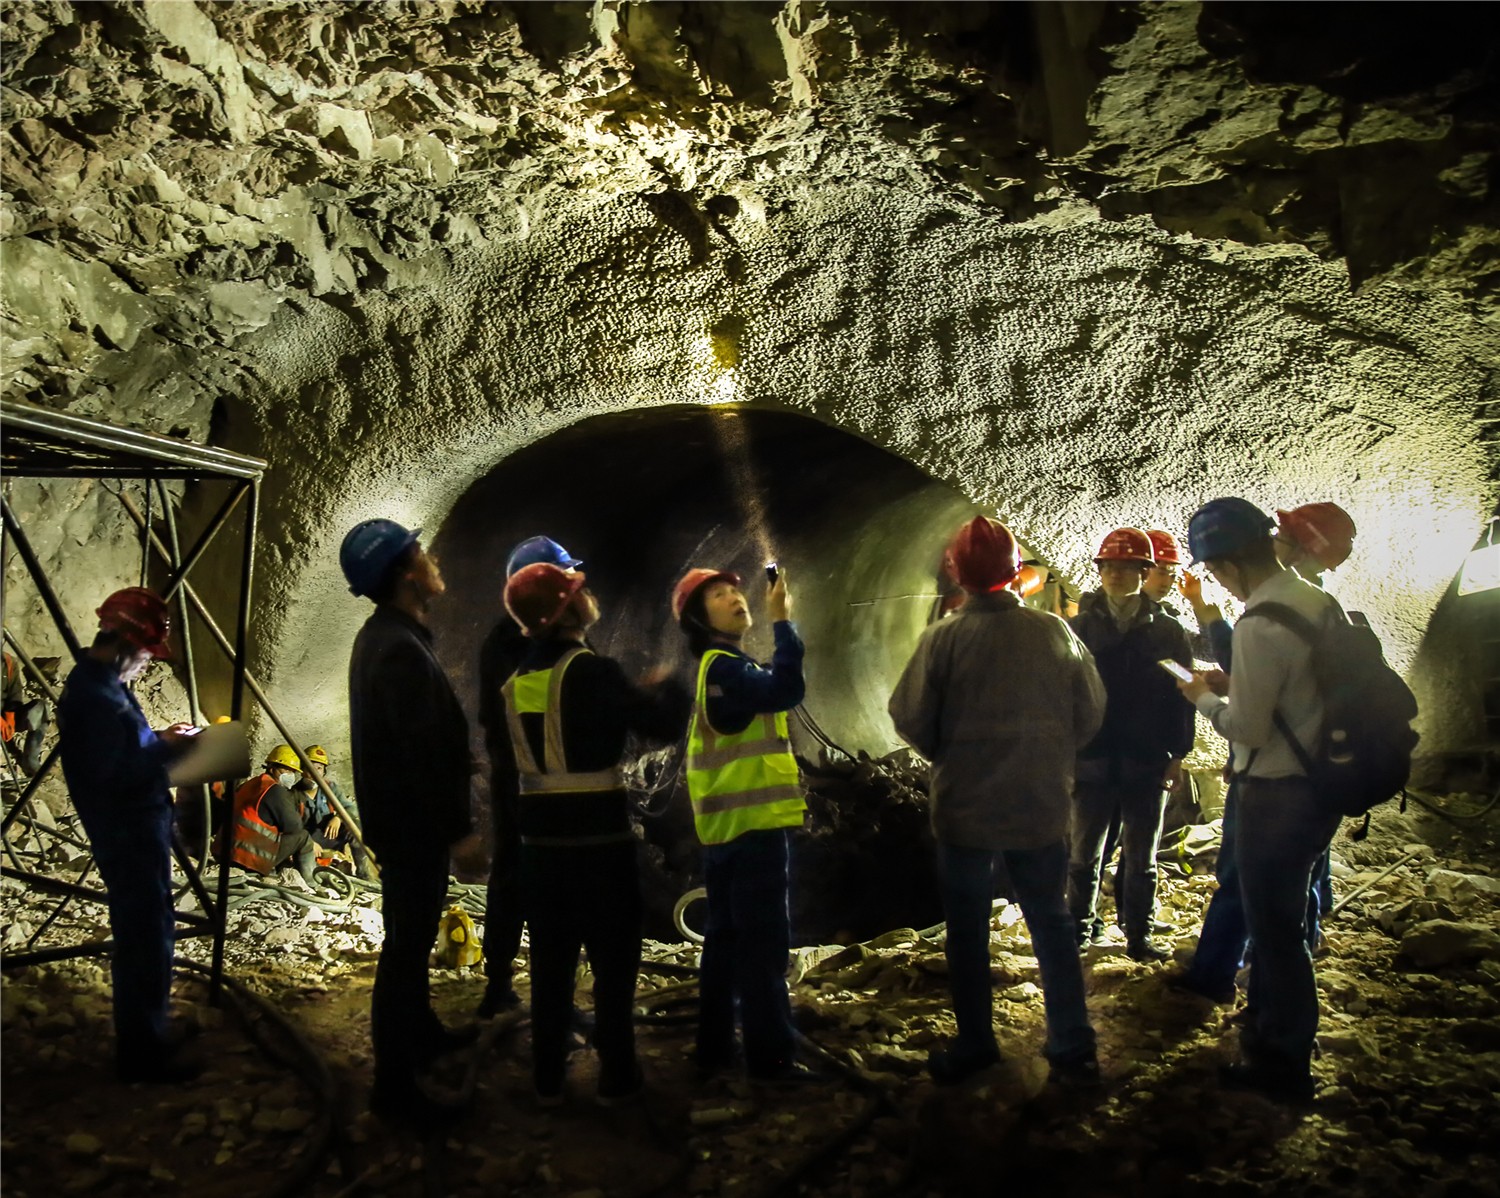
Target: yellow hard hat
x,y
223,719
318,754
283,755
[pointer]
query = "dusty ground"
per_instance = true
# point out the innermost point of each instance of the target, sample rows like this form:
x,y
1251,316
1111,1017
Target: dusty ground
x,y
1409,1070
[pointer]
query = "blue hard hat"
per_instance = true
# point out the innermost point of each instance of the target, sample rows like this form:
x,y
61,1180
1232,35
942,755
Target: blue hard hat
x,y
1222,527
370,549
540,549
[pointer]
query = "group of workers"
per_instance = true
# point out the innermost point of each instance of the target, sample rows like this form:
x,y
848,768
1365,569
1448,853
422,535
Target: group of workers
x,y
282,816
1037,788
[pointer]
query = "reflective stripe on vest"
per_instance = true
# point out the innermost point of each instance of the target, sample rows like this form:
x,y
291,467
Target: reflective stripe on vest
x,y
741,781
256,842
540,692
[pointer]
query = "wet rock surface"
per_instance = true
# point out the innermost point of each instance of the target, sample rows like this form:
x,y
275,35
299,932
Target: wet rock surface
x,y
1408,1071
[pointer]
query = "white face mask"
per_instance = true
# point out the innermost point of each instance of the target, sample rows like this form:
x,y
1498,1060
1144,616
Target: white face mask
x,y
287,780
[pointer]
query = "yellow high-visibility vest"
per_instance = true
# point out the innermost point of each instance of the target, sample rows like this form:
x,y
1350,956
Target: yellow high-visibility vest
x,y
540,691
741,781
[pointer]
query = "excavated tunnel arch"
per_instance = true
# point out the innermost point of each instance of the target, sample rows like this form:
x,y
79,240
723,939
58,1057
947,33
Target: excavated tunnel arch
x,y
642,496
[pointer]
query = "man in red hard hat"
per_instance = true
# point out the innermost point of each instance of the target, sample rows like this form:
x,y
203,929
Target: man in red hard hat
x,y
745,791
116,770
569,712
1313,538
1001,783
1137,755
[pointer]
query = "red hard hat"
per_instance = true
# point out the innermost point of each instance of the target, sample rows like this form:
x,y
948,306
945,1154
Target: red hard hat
x,y
1324,530
1126,545
140,617
687,586
537,594
1164,548
983,555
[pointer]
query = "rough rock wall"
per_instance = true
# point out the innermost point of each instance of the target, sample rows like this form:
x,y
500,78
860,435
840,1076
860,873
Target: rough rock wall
x,y
1088,263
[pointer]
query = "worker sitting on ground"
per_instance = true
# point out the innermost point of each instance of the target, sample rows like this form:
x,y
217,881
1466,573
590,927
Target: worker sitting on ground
x,y
325,825
569,711
267,823
23,722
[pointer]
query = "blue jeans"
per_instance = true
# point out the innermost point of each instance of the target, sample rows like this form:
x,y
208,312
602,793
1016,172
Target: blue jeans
x,y
1221,943
1225,938
1137,801
1040,879
132,849
746,947
1284,830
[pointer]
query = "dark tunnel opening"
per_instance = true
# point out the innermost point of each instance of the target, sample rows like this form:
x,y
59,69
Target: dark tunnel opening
x,y
641,497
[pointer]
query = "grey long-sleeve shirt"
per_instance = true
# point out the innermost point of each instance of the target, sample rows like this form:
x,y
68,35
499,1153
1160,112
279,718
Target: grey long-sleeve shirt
x,y
999,698
1272,672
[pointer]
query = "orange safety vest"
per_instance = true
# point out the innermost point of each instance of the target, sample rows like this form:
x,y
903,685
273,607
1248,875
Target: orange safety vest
x,y
255,842
8,718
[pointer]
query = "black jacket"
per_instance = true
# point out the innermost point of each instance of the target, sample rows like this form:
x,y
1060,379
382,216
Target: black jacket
x,y
1147,722
409,739
600,709
499,657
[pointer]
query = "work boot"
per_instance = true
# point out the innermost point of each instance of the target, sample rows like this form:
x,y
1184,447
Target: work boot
x,y
497,999
1278,1083
364,870
1143,948
166,1068
951,1065
618,1091
1079,1074
446,1040
307,863
405,1104
1186,983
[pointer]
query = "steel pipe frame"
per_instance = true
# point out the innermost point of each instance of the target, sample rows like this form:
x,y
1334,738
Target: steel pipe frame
x,y
214,464
93,948
251,683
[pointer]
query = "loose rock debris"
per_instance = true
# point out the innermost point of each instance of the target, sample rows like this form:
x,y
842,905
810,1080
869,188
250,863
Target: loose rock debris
x,y
1409,1068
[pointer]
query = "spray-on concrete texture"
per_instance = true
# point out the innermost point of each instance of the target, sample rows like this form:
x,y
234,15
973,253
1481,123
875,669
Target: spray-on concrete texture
x,y
1082,264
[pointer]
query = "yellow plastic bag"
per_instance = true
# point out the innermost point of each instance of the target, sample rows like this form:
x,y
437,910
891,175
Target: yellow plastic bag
x,y
457,945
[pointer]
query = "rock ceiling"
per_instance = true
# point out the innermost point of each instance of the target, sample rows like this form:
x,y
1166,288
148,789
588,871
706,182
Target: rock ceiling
x,y
1087,262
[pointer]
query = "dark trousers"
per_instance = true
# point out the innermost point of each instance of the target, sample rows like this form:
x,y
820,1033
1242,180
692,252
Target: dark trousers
x,y
1139,801
345,838
133,852
746,947
585,898
1284,831
503,913
1039,878
1224,940
414,885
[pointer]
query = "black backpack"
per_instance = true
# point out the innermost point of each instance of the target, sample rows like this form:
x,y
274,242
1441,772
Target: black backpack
x,y
1364,753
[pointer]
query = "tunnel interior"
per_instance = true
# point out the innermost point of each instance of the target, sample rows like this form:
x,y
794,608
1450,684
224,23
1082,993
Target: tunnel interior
x,y
642,497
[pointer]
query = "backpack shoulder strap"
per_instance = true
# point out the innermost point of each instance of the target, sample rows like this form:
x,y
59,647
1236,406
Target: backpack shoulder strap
x,y
1287,617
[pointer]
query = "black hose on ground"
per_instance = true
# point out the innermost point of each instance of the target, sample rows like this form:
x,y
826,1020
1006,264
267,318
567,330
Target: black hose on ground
x,y
311,1068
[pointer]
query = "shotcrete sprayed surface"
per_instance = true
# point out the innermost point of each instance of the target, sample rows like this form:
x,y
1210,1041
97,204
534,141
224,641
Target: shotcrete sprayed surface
x,y
1070,375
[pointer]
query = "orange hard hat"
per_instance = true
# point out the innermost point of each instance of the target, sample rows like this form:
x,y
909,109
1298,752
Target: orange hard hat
x,y
689,584
983,556
1164,548
1029,580
138,616
1323,530
538,594
1126,545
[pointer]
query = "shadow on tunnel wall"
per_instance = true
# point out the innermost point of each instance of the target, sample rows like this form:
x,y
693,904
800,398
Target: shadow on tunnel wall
x,y
643,496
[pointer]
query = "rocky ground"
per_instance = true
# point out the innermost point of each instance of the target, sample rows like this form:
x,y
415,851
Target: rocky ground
x,y
1408,1074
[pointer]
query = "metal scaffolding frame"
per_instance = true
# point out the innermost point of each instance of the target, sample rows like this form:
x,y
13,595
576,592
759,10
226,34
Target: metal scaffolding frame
x,y
38,443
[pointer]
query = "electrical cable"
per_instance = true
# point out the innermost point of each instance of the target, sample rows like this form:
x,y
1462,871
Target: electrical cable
x,y
1430,803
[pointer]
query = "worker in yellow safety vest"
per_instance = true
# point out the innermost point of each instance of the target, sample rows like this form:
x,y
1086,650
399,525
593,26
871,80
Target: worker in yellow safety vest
x,y
569,711
743,783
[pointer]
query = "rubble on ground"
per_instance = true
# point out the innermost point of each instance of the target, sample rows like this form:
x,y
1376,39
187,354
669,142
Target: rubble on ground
x,y
1408,1074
